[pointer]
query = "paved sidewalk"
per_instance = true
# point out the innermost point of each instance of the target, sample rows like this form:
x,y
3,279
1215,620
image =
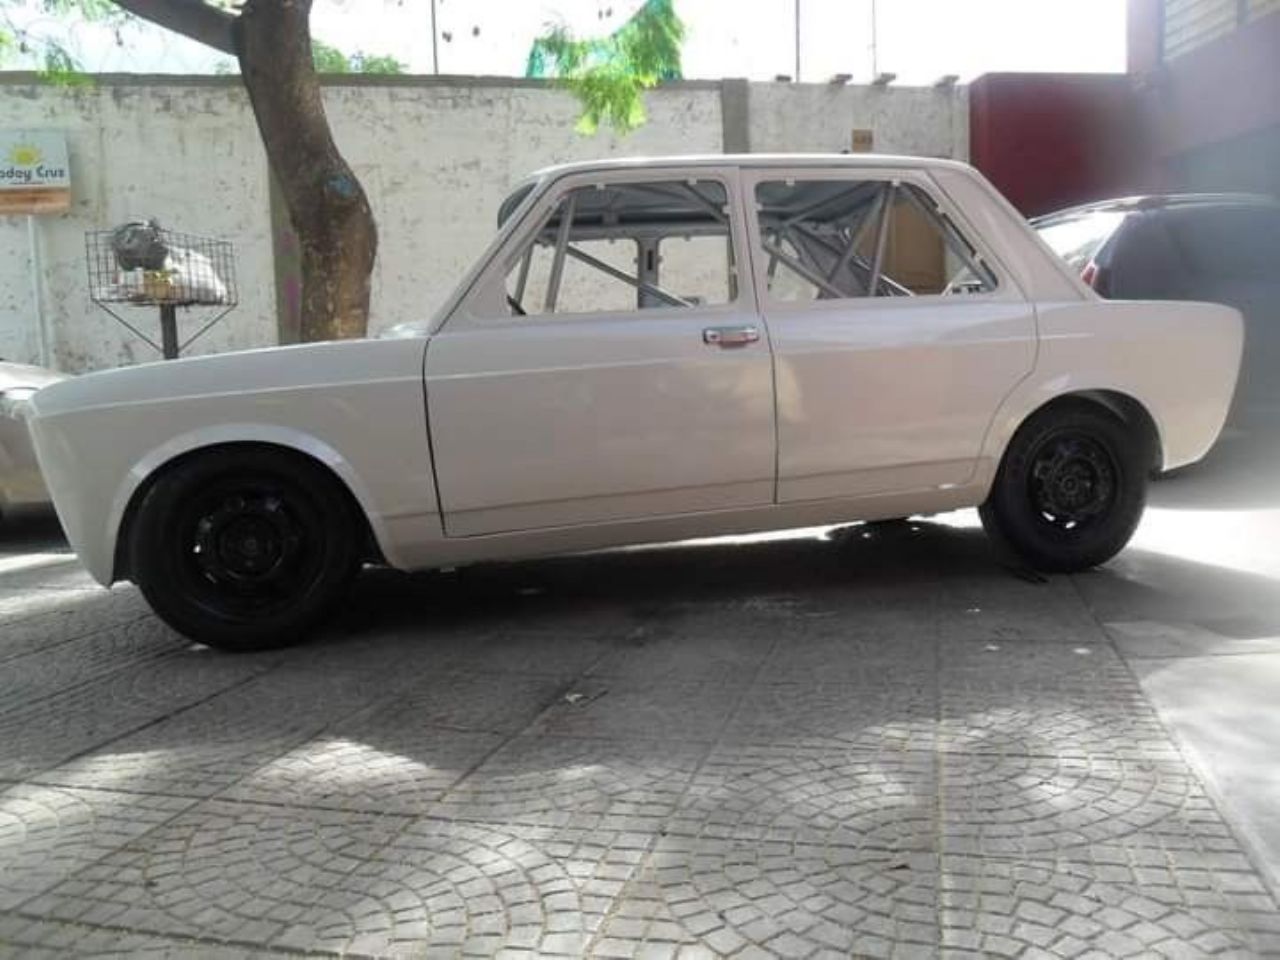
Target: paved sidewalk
x,y
878,745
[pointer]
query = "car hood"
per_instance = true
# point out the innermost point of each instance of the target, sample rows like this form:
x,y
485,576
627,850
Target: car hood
x,y
410,330
248,371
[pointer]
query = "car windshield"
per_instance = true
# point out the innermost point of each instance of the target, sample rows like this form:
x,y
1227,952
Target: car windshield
x,y
1077,238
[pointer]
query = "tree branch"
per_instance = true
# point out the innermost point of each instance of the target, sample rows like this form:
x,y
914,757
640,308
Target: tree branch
x,y
195,19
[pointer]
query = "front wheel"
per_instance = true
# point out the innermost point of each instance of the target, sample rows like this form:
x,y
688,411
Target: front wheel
x,y
244,548
1070,489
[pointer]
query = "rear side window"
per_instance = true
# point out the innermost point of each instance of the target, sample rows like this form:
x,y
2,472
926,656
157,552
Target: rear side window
x,y
838,239
1077,239
1240,242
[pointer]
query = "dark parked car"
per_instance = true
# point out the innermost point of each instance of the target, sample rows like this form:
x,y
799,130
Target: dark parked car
x,y
1220,248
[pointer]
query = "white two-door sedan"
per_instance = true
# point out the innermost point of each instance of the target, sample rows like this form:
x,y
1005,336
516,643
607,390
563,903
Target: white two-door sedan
x,y
651,350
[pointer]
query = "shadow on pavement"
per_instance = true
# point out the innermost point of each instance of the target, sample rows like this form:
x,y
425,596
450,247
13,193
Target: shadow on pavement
x,y
869,561
32,532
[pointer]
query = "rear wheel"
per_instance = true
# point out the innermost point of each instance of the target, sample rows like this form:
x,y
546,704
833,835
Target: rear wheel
x,y
1070,490
244,548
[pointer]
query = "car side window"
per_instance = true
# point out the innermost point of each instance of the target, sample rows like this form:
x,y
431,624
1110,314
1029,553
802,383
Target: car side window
x,y
838,239
616,247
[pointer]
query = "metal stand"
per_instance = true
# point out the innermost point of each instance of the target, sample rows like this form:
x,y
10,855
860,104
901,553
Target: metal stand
x,y
143,265
37,298
169,331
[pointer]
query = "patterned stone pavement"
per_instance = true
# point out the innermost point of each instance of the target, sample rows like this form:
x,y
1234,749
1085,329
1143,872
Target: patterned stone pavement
x,y
872,744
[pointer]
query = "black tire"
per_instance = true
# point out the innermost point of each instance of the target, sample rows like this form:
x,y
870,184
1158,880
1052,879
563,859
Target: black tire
x,y
1070,490
244,548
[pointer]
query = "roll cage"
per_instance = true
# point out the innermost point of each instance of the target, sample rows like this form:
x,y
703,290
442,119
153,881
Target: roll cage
x,y
833,234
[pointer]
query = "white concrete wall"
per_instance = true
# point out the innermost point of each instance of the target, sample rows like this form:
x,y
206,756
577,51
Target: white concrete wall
x,y
187,154
435,155
808,118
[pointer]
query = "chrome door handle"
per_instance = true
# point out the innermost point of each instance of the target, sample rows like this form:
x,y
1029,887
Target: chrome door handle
x,y
730,336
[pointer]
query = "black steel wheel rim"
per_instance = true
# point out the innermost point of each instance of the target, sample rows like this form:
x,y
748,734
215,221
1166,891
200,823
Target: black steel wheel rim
x,y
1073,481
249,548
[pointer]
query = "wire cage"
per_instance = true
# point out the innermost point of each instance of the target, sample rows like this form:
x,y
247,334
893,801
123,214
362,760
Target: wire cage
x,y
141,264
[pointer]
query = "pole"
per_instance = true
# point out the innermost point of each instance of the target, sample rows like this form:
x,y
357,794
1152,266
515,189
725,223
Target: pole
x,y
435,47
37,300
169,331
797,41
875,65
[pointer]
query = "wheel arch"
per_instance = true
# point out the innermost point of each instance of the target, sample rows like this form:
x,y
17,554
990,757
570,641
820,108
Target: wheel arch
x,y
1123,406
155,465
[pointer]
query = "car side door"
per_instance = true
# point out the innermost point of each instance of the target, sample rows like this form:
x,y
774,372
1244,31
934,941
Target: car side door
x,y
895,338
607,366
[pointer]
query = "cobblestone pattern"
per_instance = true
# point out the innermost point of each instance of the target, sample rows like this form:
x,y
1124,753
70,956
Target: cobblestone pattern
x,y
49,833
51,731
62,619
215,744
877,800
744,898
1114,902
404,771
22,938
84,660
917,766
629,785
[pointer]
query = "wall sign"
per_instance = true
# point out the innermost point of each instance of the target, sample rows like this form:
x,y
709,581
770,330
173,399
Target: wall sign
x,y
35,175
863,141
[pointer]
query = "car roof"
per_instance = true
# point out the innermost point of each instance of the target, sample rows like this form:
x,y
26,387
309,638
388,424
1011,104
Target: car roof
x,y
852,161
1159,201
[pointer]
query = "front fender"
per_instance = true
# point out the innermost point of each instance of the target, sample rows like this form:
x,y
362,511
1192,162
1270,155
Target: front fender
x,y
355,406
155,459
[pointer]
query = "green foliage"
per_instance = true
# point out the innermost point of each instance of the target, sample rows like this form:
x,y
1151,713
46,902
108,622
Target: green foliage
x,y
85,9
59,66
609,75
332,60
20,43
329,59
362,62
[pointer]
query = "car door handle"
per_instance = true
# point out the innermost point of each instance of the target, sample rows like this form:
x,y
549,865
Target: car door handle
x,y
730,336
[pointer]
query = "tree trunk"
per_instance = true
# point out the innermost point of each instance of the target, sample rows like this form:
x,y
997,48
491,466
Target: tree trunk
x,y
337,237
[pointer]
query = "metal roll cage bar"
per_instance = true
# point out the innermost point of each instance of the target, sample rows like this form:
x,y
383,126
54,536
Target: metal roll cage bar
x,y
823,252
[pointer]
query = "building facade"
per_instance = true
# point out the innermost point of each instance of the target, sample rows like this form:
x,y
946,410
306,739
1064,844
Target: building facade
x,y
1207,73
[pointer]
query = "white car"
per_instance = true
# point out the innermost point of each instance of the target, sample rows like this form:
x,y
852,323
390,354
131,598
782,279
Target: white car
x,y
22,489
651,350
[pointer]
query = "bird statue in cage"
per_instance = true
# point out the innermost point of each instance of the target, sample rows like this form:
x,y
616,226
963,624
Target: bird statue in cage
x,y
154,269
139,245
